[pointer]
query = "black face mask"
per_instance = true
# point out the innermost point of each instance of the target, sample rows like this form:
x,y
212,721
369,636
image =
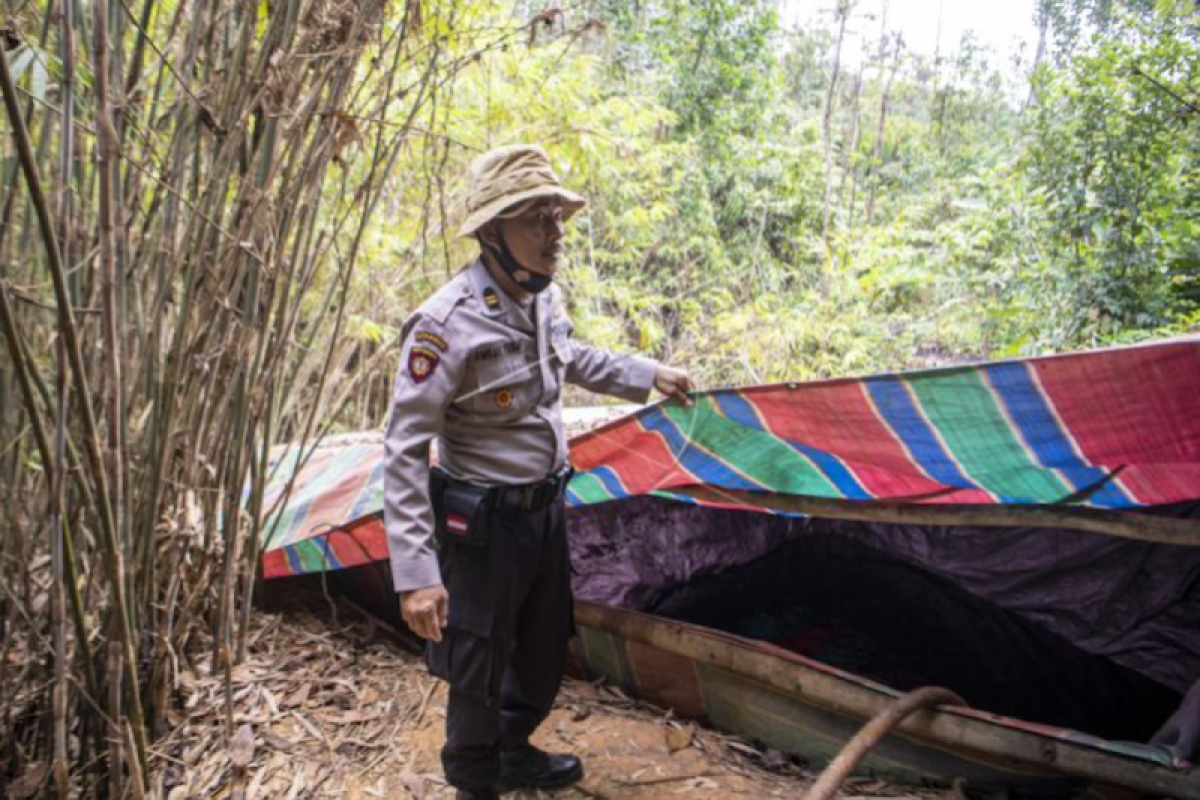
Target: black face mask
x,y
528,280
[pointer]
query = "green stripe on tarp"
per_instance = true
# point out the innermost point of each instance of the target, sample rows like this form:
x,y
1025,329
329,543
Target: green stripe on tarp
x,y
754,453
312,555
589,489
963,410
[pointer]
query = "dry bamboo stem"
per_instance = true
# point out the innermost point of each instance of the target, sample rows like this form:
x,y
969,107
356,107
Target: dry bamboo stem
x,y
69,332
224,230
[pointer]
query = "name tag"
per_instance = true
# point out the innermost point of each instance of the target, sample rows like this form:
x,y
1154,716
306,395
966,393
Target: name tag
x,y
495,351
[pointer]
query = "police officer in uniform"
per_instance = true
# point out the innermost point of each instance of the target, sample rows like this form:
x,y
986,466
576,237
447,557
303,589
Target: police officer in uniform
x,y
478,544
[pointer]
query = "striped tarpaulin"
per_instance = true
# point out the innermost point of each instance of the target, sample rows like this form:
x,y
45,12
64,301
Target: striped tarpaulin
x,y
1111,429
1117,428
327,517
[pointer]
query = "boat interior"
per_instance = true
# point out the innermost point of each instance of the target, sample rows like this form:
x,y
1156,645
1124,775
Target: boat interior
x,y
1061,628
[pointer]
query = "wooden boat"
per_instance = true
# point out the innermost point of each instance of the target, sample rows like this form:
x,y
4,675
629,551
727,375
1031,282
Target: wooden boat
x,y
808,709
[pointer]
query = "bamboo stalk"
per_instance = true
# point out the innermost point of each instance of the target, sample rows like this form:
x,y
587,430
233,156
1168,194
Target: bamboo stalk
x,y
116,734
220,233
106,157
69,332
23,370
57,602
59,710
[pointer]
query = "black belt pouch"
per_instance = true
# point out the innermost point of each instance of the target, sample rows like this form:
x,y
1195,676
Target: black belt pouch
x,y
459,510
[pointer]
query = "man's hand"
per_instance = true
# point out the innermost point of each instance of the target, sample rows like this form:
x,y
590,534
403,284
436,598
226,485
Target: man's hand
x,y
426,611
674,383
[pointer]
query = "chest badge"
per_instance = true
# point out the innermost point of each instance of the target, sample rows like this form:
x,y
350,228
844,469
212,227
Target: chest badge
x,y
504,398
422,363
491,299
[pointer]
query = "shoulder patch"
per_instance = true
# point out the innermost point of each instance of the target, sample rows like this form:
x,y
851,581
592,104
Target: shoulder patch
x,y
422,363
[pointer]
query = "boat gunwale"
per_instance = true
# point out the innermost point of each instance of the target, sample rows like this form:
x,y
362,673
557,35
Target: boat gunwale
x,y
988,736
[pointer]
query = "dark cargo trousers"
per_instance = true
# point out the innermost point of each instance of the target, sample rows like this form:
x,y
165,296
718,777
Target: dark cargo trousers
x,y
504,649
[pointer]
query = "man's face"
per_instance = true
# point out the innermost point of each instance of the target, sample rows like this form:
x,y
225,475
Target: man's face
x,y
535,236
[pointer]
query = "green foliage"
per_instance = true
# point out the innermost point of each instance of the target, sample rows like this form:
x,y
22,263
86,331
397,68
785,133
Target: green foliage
x,y
968,223
1112,164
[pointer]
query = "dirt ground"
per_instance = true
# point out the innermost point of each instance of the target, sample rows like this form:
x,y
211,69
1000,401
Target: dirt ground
x,y
329,704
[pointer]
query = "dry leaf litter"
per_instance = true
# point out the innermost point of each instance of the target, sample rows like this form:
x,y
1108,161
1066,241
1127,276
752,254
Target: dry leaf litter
x,y
329,704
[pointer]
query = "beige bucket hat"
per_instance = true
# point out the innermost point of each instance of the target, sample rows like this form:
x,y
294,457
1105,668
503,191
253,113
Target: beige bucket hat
x,y
506,176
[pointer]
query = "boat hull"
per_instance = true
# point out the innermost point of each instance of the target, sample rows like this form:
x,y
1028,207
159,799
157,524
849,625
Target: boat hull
x,y
809,710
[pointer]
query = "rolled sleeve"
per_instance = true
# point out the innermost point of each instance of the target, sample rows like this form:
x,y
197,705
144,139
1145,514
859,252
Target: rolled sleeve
x,y
428,379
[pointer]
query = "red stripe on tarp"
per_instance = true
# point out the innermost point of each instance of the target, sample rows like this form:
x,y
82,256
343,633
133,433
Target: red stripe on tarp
x,y
1137,408
839,418
642,459
334,504
360,542
275,564
1160,484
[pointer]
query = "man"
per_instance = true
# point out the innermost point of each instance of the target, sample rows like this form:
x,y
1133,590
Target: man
x,y
482,369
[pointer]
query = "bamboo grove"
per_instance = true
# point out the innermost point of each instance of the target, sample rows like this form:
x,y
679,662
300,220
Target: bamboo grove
x,y
179,223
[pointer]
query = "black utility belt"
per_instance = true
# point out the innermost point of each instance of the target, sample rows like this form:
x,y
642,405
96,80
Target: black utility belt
x,y
460,508
531,496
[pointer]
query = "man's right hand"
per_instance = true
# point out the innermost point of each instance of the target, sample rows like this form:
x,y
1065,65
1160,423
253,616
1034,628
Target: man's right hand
x,y
426,611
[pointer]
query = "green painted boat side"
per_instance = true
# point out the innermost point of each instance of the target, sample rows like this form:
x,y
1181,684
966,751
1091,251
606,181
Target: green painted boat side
x,y
809,710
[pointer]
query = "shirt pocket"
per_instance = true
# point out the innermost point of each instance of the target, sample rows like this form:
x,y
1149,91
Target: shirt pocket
x,y
503,386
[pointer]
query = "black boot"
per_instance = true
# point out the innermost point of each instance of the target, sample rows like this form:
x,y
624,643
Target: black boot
x,y
527,767
478,794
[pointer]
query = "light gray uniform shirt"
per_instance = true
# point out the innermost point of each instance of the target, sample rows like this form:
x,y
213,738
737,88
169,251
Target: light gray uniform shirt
x,y
483,374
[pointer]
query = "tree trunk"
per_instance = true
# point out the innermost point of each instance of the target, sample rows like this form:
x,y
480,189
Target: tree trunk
x,y
881,131
1043,21
844,7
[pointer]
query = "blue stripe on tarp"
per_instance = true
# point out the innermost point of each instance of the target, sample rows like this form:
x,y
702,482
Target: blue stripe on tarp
x,y
736,407
331,559
696,461
896,406
1043,434
294,560
362,504
610,480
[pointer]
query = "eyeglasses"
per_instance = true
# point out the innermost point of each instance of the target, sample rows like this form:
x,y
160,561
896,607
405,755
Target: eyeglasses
x,y
544,216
